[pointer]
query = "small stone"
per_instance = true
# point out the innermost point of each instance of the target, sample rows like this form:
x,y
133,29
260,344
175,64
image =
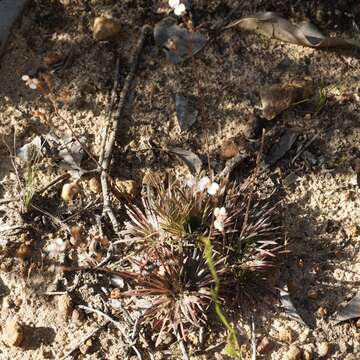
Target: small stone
x,y
307,355
115,293
95,185
75,235
323,349
264,345
69,191
23,252
52,58
322,311
13,333
307,117
313,294
77,315
285,335
65,306
127,188
105,29
84,348
294,353
230,149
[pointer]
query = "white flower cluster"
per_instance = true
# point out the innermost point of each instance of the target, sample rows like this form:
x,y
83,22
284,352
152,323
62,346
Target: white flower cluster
x,y
203,184
220,217
178,7
32,83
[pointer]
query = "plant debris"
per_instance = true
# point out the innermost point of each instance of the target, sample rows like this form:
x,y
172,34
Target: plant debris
x,y
274,26
178,43
280,148
350,311
192,161
186,112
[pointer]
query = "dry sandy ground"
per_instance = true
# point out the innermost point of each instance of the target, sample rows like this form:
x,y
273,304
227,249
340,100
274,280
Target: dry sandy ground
x,y
321,202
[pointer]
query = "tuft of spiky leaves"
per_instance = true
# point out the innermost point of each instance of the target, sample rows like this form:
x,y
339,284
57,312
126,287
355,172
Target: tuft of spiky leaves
x,y
178,286
174,218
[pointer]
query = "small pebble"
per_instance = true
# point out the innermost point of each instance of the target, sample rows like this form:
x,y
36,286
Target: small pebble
x,y
313,294
69,191
285,335
294,353
77,315
95,185
52,58
127,187
65,306
264,345
105,29
75,235
13,333
323,349
307,355
23,252
230,149
115,293
84,348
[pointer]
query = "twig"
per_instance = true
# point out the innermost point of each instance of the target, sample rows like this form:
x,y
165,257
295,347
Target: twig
x,y
253,338
54,182
182,347
304,147
113,127
107,317
14,227
231,165
83,340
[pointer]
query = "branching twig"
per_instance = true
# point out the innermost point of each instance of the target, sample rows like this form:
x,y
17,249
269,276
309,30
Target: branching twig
x,y
107,317
113,127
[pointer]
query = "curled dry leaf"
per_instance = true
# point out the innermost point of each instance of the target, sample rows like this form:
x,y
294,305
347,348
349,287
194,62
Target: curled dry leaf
x,y
186,112
289,307
178,43
350,311
274,26
279,97
192,161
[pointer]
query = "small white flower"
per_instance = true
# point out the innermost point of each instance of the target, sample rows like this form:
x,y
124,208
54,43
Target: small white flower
x,y
213,188
218,225
220,213
190,181
32,83
57,247
204,183
179,10
174,3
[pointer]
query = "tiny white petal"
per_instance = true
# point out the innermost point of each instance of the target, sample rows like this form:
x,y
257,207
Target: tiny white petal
x,y
190,181
32,85
25,77
216,212
179,10
213,188
222,212
174,3
204,183
219,225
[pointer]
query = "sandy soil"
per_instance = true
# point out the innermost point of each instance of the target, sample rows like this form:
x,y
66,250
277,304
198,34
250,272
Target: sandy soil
x,y
318,191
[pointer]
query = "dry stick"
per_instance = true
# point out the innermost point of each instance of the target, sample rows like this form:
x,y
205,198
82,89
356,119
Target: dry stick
x,y
83,340
113,127
107,317
54,182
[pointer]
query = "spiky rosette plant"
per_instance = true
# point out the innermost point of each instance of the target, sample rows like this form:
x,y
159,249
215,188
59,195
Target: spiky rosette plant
x,y
178,288
176,217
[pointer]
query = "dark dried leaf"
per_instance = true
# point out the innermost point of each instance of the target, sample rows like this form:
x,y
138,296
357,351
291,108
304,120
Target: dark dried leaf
x,y
350,311
177,43
279,149
289,307
186,112
192,161
274,26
